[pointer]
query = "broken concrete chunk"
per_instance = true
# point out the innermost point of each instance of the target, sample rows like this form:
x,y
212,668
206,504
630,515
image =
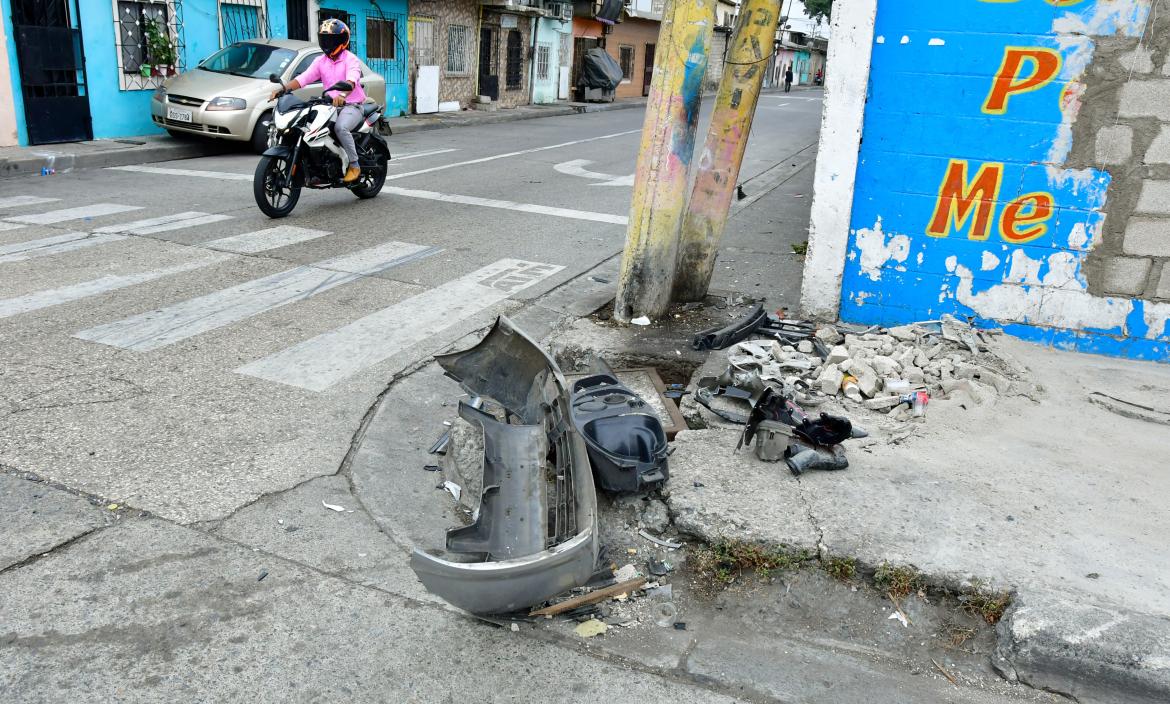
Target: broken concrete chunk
x,y
829,336
837,355
830,380
655,516
887,348
1001,383
846,365
905,333
867,378
884,366
920,359
852,341
805,347
934,351
881,403
913,375
778,353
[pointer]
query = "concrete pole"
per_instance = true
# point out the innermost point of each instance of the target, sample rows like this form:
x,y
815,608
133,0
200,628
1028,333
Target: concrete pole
x,y
722,155
664,160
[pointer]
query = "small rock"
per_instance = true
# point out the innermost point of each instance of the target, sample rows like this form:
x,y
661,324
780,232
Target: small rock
x,y
829,336
837,355
805,346
846,365
887,348
913,375
626,573
655,517
830,380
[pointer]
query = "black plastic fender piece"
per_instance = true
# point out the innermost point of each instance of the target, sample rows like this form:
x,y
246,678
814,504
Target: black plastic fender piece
x,y
626,443
718,338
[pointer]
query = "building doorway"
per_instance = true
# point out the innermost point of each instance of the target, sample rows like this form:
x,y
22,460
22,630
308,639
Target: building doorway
x,y
489,65
52,71
648,70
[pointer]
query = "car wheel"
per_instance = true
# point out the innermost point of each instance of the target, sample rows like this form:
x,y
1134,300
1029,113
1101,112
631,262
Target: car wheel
x,y
260,133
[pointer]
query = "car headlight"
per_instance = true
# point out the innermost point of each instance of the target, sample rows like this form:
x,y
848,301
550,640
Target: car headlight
x,y
223,103
160,94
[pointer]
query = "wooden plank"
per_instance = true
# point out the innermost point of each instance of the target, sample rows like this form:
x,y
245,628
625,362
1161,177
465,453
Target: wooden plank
x,y
590,598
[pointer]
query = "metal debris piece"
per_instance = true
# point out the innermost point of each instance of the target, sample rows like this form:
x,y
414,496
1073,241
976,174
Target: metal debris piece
x,y
593,597
721,337
659,541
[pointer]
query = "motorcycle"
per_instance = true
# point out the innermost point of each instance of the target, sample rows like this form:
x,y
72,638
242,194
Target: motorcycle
x,y
303,153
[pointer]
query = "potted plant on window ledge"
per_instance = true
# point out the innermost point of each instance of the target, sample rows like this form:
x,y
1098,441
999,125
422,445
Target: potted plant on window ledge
x,y
160,51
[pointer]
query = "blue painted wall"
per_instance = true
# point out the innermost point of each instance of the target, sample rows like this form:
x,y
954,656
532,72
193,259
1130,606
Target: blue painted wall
x,y
123,113
934,64
397,93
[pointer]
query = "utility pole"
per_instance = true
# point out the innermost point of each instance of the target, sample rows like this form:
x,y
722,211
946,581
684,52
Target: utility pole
x,y
664,160
722,155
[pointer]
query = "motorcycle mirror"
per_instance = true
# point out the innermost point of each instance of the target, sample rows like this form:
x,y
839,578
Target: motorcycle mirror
x,y
272,77
340,85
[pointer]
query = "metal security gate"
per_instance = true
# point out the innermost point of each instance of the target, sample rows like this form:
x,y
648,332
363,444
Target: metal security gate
x,y
298,20
52,71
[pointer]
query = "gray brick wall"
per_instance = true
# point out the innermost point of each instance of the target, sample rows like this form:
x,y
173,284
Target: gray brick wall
x,y
448,13
1123,127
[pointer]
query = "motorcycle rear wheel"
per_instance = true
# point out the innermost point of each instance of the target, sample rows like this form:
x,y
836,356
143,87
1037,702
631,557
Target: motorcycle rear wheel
x,y
274,201
370,182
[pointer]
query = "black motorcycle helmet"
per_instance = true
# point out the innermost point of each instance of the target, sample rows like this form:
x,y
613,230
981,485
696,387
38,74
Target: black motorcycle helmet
x,y
333,37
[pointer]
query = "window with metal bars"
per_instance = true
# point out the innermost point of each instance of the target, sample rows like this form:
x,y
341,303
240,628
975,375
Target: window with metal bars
x,y
242,19
381,36
626,59
135,21
543,61
515,67
458,49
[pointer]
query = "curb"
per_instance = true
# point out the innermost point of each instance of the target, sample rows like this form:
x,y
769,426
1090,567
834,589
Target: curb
x,y
64,161
417,124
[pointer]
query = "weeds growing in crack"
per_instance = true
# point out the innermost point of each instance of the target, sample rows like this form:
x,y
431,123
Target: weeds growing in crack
x,y
842,569
725,561
898,582
990,605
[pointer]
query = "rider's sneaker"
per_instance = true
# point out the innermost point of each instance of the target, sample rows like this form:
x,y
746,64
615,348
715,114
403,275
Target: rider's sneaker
x,y
352,174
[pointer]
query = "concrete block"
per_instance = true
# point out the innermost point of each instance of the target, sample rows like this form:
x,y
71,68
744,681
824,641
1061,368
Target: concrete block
x,y
830,336
884,366
1148,237
837,355
1155,198
1159,151
830,380
1126,276
1115,145
1163,290
1140,60
1145,99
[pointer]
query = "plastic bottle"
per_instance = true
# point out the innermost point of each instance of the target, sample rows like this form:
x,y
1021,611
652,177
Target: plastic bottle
x,y
850,387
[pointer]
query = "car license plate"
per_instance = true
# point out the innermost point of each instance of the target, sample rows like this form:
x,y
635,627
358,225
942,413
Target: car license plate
x,y
179,115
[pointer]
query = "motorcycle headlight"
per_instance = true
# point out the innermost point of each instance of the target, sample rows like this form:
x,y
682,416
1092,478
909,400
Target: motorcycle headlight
x,y
223,103
160,94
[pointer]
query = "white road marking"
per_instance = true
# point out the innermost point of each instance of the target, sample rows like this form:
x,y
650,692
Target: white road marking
x,y
196,173
66,294
193,222
85,211
508,205
774,107
419,155
510,154
322,361
263,240
576,167
166,326
6,226
22,201
138,226
56,244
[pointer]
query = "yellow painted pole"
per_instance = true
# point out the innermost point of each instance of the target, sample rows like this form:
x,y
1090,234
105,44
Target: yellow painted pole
x,y
722,153
664,160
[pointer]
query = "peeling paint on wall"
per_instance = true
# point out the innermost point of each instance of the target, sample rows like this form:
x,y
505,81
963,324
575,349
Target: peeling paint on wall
x,y
968,204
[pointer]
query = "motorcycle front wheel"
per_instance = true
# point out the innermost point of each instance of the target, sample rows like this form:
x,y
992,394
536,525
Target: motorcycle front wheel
x,y
274,200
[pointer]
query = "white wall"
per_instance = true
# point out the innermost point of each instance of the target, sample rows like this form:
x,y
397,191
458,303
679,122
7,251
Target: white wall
x,y
841,124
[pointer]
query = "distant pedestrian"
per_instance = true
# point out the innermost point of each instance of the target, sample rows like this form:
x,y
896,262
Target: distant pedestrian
x,y
788,79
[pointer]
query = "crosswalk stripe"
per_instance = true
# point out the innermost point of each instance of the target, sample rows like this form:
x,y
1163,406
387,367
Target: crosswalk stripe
x,y
166,326
508,205
262,240
86,211
56,244
322,361
22,201
163,171
168,226
5,226
66,294
133,227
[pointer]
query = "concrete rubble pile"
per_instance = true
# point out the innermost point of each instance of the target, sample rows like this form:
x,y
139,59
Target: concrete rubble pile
x,y
896,371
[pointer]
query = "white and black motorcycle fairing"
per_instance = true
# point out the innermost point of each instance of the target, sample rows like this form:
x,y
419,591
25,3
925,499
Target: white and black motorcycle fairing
x,y
304,152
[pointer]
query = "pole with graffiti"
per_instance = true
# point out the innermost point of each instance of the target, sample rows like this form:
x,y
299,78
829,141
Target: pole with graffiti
x,y
664,160
722,154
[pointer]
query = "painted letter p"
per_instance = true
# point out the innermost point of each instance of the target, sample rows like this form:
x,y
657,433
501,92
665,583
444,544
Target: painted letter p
x,y
1042,65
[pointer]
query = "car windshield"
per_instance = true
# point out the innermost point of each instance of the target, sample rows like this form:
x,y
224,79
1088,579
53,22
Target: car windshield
x,y
249,60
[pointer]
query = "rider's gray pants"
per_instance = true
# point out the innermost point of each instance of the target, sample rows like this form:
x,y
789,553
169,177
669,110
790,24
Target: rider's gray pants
x,y
347,121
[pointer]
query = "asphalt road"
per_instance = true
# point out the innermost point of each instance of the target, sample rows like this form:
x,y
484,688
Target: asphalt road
x,y
166,349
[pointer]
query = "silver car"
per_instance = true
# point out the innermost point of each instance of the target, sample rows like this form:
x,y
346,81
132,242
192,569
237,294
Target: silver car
x,y
227,96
